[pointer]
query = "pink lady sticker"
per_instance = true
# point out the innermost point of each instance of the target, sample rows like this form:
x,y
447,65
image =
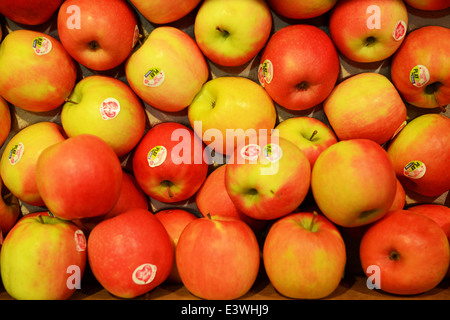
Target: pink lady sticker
x,y
265,72
41,45
415,169
419,76
16,153
399,30
144,274
156,156
250,152
109,109
154,77
80,240
272,152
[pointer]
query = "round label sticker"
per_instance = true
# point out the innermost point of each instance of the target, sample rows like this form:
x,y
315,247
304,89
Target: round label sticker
x,y
156,156
144,274
419,76
80,240
135,36
41,45
154,77
16,153
250,152
415,169
265,72
272,152
109,109
399,30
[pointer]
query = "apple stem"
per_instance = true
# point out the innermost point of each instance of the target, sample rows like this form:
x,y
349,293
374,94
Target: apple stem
x,y
71,101
208,215
313,134
312,220
40,219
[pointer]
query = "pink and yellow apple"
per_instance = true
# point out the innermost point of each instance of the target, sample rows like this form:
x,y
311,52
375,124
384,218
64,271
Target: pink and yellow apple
x,y
9,210
5,120
294,9
162,11
29,12
428,5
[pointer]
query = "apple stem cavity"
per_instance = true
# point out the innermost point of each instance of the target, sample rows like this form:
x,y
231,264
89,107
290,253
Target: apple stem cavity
x,y
311,225
168,184
302,86
394,255
370,41
224,32
313,134
93,45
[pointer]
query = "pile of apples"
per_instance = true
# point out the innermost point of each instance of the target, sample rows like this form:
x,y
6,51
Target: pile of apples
x,y
244,190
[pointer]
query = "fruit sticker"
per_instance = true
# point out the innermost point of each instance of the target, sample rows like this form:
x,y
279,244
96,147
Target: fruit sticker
x,y
41,45
80,240
156,156
272,152
419,76
154,77
265,72
399,30
16,153
415,169
250,152
144,274
109,109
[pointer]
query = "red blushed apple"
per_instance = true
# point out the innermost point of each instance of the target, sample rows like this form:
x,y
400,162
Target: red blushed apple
x,y
175,220
29,12
218,258
130,254
80,177
399,199
168,163
408,251
299,66
428,5
9,210
294,9
213,199
5,120
98,34
162,11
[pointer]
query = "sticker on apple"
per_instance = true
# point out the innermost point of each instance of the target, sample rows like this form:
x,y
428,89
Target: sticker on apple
x,y
419,76
109,109
265,72
144,274
156,156
80,240
414,169
154,77
41,45
16,153
399,30
272,152
250,152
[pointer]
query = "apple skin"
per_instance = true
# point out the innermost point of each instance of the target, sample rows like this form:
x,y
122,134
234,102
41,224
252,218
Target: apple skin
x,y
293,9
165,50
101,41
428,5
353,182
19,172
399,202
19,65
83,113
9,210
36,256
171,179
80,177
233,104
266,190
175,220
130,254
5,120
304,256
421,140
365,106
302,132
29,12
231,33
411,251
299,66
162,11
218,258
349,28
419,49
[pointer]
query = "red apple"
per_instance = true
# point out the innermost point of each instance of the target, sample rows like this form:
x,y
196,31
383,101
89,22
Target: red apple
x,y
9,210
294,9
175,220
80,177
98,34
162,11
408,251
5,120
429,5
29,12
399,202
299,66
218,258
130,254
168,162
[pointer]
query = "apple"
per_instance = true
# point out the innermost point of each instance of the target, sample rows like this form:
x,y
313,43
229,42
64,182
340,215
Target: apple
x,y
5,120
9,210
162,11
408,251
365,106
353,182
267,177
227,109
218,258
93,35
80,177
20,156
168,163
293,9
419,153
167,70
27,55
130,254
212,199
309,134
299,66
231,33
174,221
421,76
43,258
368,30
106,107
304,256
399,202
429,5
29,12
